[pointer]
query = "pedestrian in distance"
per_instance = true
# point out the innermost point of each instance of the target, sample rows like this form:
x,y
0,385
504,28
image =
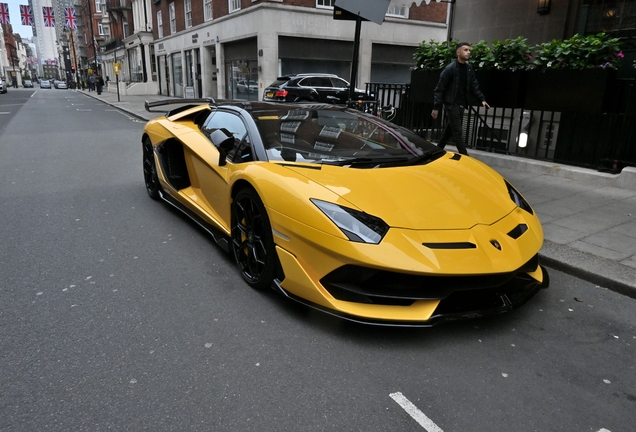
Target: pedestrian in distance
x,y
91,83
456,84
100,84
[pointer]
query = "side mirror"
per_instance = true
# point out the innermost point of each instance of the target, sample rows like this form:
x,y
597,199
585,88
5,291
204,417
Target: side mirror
x,y
224,141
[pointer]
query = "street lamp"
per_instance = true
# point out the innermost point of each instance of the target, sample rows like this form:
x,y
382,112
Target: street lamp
x,y
543,7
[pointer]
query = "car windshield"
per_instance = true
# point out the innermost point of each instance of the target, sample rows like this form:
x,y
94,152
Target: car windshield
x,y
339,137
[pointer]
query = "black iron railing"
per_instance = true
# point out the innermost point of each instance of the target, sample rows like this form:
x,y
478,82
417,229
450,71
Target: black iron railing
x,y
604,141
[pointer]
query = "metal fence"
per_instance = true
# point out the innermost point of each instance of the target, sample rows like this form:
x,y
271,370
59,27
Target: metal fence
x,y
606,142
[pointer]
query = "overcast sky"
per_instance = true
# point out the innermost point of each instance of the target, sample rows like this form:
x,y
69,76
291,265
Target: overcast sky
x,y
14,15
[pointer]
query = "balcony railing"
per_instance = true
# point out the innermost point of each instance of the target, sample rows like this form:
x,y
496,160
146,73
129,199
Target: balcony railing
x,y
118,5
115,43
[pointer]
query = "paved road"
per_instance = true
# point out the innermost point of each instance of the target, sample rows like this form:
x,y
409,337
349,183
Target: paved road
x,y
116,313
589,217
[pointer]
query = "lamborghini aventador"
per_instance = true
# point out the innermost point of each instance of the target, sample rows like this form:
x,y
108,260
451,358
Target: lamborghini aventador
x,y
345,212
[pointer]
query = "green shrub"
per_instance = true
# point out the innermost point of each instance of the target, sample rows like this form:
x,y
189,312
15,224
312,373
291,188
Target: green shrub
x,y
578,52
434,55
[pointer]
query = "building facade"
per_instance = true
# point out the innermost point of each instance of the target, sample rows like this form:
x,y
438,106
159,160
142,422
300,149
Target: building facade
x,y
541,20
44,38
203,48
128,55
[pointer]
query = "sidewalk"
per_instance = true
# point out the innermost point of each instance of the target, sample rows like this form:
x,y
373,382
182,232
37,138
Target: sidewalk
x,y
588,217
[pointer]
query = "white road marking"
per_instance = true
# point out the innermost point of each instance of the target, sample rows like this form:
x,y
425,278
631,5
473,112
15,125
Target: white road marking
x,y
603,430
414,412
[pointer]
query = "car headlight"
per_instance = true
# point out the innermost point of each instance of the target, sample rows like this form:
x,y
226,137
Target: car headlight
x,y
356,225
518,199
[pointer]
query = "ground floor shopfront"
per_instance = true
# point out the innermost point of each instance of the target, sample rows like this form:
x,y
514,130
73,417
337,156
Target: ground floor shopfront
x,y
239,55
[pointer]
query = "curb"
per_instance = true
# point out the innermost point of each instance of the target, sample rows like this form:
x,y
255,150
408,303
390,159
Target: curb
x,y
600,271
625,180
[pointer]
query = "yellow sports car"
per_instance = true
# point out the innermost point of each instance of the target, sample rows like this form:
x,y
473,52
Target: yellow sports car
x,y
345,212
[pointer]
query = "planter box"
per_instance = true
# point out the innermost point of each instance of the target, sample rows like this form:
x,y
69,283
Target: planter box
x,y
423,84
585,91
503,89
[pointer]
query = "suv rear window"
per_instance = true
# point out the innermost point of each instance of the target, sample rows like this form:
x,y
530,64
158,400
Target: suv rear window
x,y
279,82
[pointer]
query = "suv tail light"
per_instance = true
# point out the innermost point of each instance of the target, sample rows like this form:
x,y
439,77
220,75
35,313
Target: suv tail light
x,y
281,93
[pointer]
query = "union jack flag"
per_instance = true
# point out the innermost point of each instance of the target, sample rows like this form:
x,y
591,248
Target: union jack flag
x,y
71,18
4,13
49,16
26,15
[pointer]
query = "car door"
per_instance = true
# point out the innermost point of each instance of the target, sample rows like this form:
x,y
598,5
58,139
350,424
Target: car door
x,y
341,89
323,91
211,178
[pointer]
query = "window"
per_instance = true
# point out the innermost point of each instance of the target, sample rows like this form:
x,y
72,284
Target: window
x,y
398,11
232,123
159,25
100,29
207,10
234,5
188,13
173,19
324,3
98,6
124,27
177,75
339,83
316,82
153,62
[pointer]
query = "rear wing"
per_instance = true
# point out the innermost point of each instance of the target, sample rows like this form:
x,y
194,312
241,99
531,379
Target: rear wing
x,y
188,103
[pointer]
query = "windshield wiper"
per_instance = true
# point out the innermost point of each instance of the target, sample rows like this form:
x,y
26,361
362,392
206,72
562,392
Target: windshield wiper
x,y
367,161
425,158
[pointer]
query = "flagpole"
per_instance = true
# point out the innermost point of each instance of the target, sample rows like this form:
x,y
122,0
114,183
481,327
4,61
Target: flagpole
x,y
90,14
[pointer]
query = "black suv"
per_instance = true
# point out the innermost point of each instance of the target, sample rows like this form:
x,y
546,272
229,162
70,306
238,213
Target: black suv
x,y
311,88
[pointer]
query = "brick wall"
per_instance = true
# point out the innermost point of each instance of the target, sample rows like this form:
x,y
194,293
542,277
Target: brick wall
x,y
433,12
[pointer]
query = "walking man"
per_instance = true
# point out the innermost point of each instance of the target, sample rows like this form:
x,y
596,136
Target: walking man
x,y
456,83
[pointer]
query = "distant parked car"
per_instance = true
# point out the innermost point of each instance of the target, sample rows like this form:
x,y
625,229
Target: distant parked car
x,y
244,86
45,84
311,88
61,85
3,86
27,84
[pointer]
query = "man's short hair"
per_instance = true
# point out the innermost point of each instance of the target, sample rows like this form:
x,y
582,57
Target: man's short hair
x,y
461,44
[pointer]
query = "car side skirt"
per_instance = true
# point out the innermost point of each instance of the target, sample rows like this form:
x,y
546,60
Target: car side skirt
x,y
220,238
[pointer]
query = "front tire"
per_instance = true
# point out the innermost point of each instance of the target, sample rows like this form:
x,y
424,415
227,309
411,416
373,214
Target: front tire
x,y
150,170
252,240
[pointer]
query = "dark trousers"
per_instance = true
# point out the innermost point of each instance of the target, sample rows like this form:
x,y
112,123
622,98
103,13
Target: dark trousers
x,y
455,114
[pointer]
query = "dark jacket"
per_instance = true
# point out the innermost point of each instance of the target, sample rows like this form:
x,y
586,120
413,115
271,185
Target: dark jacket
x,y
446,89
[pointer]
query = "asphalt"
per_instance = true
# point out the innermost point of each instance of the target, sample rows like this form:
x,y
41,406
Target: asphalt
x,y
588,217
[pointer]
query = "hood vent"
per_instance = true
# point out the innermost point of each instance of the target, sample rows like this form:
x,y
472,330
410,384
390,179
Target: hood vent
x,y
458,245
518,231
